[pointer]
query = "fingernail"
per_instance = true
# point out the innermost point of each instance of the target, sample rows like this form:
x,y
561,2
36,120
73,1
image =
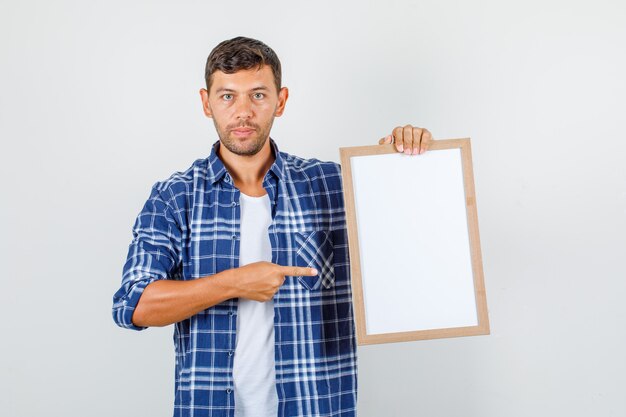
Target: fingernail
x,y
400,148
407,151
415,151
314,271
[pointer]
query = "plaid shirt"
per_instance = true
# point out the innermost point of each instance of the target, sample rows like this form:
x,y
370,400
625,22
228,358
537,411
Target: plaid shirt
x,y
189,228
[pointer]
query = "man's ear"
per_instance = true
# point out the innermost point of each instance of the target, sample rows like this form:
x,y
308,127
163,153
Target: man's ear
x,y
204,96
283,95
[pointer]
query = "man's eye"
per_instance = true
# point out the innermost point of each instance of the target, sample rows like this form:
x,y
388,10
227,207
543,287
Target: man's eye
x,y
259,96
227,97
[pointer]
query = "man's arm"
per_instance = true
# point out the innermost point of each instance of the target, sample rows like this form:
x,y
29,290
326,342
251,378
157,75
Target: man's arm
x,y
150,297
165,302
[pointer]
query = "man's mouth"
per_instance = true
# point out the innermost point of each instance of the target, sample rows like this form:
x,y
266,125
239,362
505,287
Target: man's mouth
x,y
242,131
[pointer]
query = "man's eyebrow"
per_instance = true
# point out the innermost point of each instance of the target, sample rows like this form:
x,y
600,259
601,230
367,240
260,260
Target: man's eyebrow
x,y
230,90
224,90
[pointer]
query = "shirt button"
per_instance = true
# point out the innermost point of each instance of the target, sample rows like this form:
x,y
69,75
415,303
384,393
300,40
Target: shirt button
x,y
235,237
234,203
230,313
230,353
228,391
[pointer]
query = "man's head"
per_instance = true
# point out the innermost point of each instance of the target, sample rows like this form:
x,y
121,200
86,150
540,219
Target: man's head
x,y
243,93
238,54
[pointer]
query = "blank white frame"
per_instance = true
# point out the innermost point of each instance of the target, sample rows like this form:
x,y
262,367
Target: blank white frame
x,y
415,253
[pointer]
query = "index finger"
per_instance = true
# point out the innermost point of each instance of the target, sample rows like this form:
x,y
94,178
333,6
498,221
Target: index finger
x,y
298,271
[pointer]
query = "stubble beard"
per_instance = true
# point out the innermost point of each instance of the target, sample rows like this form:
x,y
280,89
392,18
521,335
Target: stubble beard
x,y
247,147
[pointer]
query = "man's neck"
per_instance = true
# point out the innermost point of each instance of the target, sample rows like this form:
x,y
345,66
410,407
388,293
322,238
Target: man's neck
x,y
248,171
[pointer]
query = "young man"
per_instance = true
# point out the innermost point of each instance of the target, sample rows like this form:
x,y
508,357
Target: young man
x,y
246,253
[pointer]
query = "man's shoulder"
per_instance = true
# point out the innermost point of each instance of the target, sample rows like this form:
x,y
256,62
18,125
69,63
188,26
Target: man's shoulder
x,y
182,182
320,180
311,168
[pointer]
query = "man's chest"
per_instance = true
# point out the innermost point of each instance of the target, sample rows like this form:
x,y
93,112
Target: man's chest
x,y
299,233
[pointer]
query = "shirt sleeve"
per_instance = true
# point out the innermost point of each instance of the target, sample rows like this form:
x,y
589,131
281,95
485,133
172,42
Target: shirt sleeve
x,y
153,254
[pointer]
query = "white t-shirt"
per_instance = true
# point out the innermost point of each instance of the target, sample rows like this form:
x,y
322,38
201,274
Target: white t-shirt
x,y
254,370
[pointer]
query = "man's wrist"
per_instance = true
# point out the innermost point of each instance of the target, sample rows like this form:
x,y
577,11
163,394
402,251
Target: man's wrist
x,y
226,283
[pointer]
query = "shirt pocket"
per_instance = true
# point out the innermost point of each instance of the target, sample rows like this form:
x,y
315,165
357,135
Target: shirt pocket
x,y
315,250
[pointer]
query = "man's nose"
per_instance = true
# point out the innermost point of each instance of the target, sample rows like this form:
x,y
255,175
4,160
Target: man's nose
x,y
244,108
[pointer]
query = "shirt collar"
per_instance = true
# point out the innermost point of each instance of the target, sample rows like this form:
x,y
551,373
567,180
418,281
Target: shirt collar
x,y
217,170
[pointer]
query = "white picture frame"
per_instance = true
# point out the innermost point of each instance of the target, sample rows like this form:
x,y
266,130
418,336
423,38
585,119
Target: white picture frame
x,y
416,262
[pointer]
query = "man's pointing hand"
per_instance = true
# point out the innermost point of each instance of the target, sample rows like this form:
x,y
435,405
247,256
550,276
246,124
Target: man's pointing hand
x,y
259,281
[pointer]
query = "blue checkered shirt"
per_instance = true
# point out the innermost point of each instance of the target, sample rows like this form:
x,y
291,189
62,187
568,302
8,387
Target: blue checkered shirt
x,y
190,227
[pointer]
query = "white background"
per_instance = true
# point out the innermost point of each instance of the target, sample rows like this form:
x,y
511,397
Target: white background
x,y
98,100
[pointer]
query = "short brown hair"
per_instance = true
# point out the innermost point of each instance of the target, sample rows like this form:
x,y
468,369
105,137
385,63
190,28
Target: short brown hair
x,y
241,53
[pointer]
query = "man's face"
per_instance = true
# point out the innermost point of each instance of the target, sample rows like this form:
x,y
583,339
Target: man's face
x,y
243,106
